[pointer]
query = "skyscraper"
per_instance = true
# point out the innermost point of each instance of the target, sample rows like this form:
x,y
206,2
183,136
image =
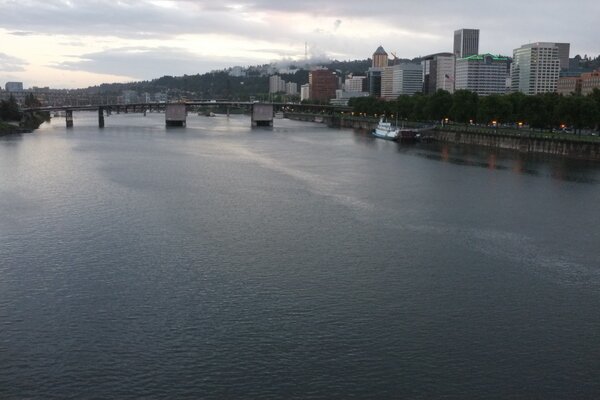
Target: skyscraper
x,y
466,43
438,72
401,79
380,58
535,68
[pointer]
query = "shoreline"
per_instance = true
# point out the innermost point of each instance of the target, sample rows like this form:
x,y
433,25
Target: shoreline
x,y
574,147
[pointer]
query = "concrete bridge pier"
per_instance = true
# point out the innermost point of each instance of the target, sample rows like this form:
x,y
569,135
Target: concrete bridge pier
x,y
262,115
175,115
69,118
101,117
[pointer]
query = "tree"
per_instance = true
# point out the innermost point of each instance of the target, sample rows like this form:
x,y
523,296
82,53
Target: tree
x,y
535,112
368,105
464,106
31,101
9,110
494,108
439,105
578,112
404,107
595,96
419,107
517,99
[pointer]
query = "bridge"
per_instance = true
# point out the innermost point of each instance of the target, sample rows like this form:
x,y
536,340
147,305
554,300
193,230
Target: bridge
x,y
176,113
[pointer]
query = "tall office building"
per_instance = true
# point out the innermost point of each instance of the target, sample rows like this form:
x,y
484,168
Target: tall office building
x,y
483,74
323,84
438,72
380,58
535,68
374,81
401,79
466,43
564,50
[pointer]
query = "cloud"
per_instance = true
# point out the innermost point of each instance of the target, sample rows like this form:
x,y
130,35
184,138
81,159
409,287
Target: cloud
x,y
22,33
11,64
144,62
415,27
151,38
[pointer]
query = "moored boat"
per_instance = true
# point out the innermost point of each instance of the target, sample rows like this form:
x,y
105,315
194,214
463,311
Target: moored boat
x,y
385,130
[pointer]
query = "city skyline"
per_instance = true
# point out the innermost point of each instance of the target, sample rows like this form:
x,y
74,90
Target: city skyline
x,y
69,44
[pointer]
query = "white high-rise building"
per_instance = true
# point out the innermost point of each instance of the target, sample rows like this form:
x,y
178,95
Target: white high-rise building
x,y
483,74
305,92
276,84
535,68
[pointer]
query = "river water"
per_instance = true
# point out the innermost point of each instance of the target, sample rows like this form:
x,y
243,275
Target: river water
x,y
216,261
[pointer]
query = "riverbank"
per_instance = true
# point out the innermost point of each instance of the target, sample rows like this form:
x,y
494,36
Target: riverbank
x,y
9,129
28,123
524,141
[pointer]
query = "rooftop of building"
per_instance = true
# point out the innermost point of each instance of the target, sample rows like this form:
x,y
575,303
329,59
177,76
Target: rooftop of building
x,y
380,51
481,57
432,56
543,44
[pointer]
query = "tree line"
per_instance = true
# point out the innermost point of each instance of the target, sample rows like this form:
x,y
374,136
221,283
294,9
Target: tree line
x,y
542,111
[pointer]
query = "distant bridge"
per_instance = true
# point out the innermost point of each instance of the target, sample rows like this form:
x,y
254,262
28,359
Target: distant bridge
x,y
176,113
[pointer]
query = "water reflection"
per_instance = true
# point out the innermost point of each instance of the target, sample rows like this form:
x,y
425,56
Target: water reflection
x,y
11,140
569,170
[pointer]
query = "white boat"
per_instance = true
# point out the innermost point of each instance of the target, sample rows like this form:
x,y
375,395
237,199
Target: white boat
x,y
385,130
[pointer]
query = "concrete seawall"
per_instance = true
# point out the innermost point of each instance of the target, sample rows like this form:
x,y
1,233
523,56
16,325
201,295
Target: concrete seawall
x,y
524,144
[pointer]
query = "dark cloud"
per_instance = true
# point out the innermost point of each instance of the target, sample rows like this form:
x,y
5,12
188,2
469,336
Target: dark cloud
x,y
11,64
145,63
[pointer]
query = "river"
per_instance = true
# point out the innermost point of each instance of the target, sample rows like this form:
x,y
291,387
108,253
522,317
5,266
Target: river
x,y
217,261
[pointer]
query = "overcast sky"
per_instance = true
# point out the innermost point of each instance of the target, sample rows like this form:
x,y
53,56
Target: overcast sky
x,y
77,43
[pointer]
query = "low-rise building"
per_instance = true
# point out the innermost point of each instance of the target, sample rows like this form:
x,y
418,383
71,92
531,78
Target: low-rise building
x,y
590,81
342,97
569,85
